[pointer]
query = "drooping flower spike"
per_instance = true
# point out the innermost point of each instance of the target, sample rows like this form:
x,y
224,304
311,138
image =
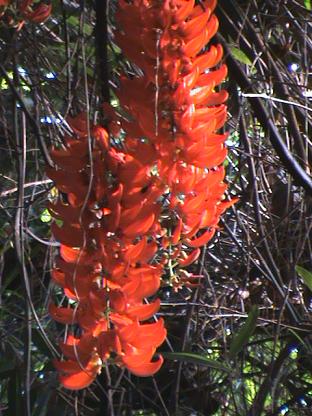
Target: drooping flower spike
x,y
107,241
176,107
147,209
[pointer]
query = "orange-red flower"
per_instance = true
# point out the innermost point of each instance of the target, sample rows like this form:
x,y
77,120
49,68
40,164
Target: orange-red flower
x,y
75,375
36,13
175,107
25,10
135,346
107,240
129,211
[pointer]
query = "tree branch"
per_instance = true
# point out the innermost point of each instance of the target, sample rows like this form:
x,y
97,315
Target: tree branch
x,y
289,162
101,39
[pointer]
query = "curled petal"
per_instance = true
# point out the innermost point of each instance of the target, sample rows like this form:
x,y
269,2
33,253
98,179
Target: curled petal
x,y
69,235
63,315
215,77
143,336
202,240
118,300
77,381
79,124
177,232
196,44
67,161
143,312
113,219
207,60
70,254
78,349
147,369
184,11
101,136
195,25
133,252
138,358
190,258
107,342
39,14
140,225
216,98
194,203
225,205
58,277
68,366
76,376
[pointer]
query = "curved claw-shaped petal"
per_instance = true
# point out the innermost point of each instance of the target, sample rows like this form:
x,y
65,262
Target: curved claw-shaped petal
x,y
185,9
77,376
208,59
202,240
147,369
177,232
77,381
140,225
190,258
143,312
63,315
196,25
215,77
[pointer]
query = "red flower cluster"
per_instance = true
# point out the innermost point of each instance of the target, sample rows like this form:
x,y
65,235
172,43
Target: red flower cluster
x,y
110,222
134,217
26,10
174,113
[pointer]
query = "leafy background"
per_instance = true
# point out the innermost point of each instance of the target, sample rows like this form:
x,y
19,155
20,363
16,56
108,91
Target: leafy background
x,y
239,345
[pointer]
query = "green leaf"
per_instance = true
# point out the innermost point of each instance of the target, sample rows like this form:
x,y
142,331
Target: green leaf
x,y
45,216
308,4
74,22
251,390
240,56
305,275
245,332
198,359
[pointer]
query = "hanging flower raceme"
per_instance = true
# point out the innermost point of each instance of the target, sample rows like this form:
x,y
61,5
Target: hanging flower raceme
x,y
177,109
107,234
134,219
